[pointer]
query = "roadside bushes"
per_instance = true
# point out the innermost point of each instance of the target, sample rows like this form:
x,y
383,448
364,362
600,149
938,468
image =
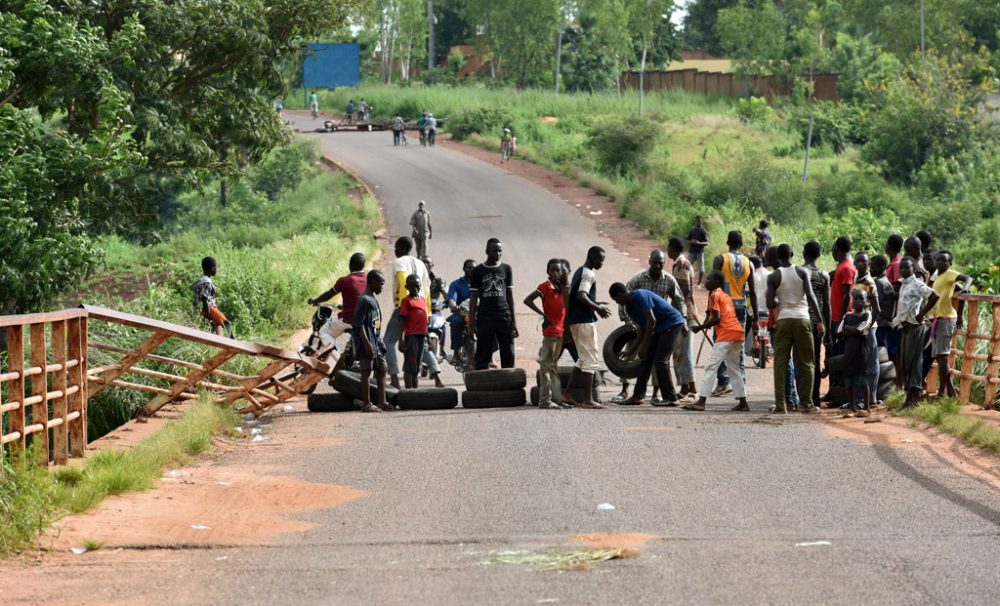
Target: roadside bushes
x,y
623,145
284,168
26,504
483,121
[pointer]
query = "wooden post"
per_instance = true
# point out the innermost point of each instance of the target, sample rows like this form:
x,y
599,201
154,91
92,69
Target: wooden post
x,y
60,446
993,366
972,326
15,389
77,378
40,388
192,379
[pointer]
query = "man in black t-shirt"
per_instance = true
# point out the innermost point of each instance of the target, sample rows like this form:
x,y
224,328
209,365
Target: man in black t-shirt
x,y
491,308
697,241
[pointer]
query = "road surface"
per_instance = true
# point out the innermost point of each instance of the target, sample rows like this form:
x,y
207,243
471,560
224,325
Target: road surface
x,y
719,507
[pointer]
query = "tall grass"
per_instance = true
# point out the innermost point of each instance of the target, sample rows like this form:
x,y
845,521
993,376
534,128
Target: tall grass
x,y
946,414
26,504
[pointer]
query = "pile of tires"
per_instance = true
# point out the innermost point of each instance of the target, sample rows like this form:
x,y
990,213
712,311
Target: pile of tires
x,y
838,386
347,396
564,374
614,345
499,388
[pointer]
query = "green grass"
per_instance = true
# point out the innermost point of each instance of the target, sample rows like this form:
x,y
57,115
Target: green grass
x,y
946,415
26,504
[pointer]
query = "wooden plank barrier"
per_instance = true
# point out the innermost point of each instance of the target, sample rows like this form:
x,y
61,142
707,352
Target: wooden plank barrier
x,y
48,381
973,334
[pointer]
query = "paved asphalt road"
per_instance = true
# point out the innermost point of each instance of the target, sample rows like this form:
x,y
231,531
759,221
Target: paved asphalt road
x,y
740,508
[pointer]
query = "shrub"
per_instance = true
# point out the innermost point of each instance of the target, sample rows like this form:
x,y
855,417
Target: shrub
x,y
284,168
26,506
833,124
622,145
868,229
483,121
757,183
754,110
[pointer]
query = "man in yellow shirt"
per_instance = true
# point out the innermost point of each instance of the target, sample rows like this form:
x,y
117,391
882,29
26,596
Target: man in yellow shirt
x,y
946,318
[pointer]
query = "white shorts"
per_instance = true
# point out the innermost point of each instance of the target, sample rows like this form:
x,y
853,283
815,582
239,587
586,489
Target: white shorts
x,y
585,338
333,330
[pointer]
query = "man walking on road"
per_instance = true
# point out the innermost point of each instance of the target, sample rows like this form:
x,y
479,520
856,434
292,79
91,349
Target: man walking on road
x,y
790,294
404,266
697,241
736,271
491,308
660,326
422,230
581,316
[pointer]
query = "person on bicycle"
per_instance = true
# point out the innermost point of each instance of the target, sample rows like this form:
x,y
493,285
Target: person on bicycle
x,y
506,145
459,292
350,111
205,297
422,128
432,125
350,288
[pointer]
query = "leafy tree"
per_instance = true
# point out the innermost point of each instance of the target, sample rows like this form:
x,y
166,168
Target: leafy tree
x,y
520,36
699,24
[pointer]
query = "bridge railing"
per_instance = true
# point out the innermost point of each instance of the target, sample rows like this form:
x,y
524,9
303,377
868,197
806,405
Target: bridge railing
x,y
48,379
976,359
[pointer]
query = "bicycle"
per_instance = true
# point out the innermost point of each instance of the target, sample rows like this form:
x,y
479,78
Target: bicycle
x,y
760,349
506,151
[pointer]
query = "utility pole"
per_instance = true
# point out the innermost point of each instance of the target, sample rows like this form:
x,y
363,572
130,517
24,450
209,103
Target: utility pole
x,y
430,36
559,52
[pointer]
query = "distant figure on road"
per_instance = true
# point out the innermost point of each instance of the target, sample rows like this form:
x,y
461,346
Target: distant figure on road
x,y
697,241
204,297
398,131
422,129
369,349
491,308
350,111
422,230
314,103
581,316
507,143
432,125
362,110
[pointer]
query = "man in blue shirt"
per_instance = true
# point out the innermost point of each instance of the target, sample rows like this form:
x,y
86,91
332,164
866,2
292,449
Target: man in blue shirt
x,y
660,326
459,292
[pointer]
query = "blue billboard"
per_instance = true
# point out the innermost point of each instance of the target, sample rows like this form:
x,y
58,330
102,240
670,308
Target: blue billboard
x,y
331,65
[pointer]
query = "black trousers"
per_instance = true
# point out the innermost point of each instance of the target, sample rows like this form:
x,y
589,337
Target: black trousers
x,y
488,331
657,359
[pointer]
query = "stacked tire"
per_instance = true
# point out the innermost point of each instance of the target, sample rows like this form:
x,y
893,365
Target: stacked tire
x,y
838,385
498,388
347,396
565,372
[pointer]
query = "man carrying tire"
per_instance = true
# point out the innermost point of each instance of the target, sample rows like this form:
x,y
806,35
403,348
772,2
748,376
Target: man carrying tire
x,y
581,316
660,326
491,308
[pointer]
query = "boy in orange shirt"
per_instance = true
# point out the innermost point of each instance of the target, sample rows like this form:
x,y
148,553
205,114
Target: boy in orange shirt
x,y
413,311
728,340
553,293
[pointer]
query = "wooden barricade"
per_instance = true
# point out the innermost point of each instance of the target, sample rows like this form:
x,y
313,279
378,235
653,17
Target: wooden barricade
x,y
46,401
973,334
48,381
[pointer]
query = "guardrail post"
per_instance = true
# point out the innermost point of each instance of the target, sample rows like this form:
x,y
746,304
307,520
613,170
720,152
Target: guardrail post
x,y
77,402
40,389
15,391
968,362
60,447
993,366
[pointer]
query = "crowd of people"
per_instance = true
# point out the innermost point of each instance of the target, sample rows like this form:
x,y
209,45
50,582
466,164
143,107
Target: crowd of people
x,y
901,301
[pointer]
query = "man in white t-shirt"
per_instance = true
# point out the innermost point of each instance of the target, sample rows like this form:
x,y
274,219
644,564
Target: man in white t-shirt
x,y
405,265
581,318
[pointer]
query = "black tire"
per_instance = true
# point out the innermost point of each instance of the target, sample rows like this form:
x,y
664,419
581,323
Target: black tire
x,y
887,372
501,379
883,355
565,372
576,394
884,389
330,402
494,399
838,396
427,398
349,383
613,346
835,364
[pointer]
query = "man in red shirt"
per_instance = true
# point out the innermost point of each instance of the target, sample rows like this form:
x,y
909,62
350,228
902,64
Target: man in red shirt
x,y
413,311
893,250
350,288
843,280
553,293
